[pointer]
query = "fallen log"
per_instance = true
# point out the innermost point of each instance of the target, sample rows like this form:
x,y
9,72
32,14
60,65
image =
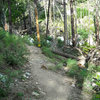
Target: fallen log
x,y
65,55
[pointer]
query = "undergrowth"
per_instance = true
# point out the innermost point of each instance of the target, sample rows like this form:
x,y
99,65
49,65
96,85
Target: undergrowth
x,y
12,49
13,56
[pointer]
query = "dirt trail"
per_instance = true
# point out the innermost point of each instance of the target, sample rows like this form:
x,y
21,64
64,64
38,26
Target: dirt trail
x,y
56,86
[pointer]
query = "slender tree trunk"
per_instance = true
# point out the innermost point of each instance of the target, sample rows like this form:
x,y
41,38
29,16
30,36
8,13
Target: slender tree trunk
x,y
59,12
97,22
54,10
2,15
24,21
37,24
30,21
72,23
76,35
45,9
10,16
65,25
47,29
29,11
50,12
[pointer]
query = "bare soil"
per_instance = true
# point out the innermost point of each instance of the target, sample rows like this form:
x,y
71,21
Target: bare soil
x,y
44,84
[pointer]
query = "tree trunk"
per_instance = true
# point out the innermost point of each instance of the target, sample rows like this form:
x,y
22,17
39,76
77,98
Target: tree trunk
x,y
72,23
24,21
65,25
10,16
97,22
65,55
37,24
30,21
45,9
47,29
76,22
54,10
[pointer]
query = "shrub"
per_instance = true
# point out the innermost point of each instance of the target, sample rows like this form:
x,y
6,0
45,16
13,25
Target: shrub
x,y
86,47
83,33
12,49
6,79
60,43
73,68
47,52
45,42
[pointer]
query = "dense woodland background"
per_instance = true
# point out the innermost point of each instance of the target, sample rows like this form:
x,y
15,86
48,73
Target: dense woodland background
x,y
61,28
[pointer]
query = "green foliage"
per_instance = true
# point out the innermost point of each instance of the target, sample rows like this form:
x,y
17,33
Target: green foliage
x,y
82,12
86,47
20,94
83,33
27,39
81,1
75,71
8,77
42,15
73,68
47,52
60,43
57,67
45,42
96,97
17,9
13,49
3,93
49,38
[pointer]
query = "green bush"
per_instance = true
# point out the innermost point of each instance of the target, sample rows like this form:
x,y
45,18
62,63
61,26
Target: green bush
x,y
75,71
47,52
45,42
73,68
12,49
83,33
60,43
6,79
86,47
42,15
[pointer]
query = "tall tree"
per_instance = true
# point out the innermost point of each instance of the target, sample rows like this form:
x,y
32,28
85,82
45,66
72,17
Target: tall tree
x,y
10,16
2,14
47,29
37,24
65,23
72,23
97,22
24,20
29,10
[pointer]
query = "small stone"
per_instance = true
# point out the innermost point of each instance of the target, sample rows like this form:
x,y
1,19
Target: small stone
x,y
64,64
73,85
28,74
37,83
35,94
39,88
42,92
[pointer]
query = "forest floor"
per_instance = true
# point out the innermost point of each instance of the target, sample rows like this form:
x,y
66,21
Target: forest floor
x,y
42,83
54,85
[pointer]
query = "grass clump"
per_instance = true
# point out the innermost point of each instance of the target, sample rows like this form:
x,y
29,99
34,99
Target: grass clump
x,y
47,52
57,67
73,68
75,71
